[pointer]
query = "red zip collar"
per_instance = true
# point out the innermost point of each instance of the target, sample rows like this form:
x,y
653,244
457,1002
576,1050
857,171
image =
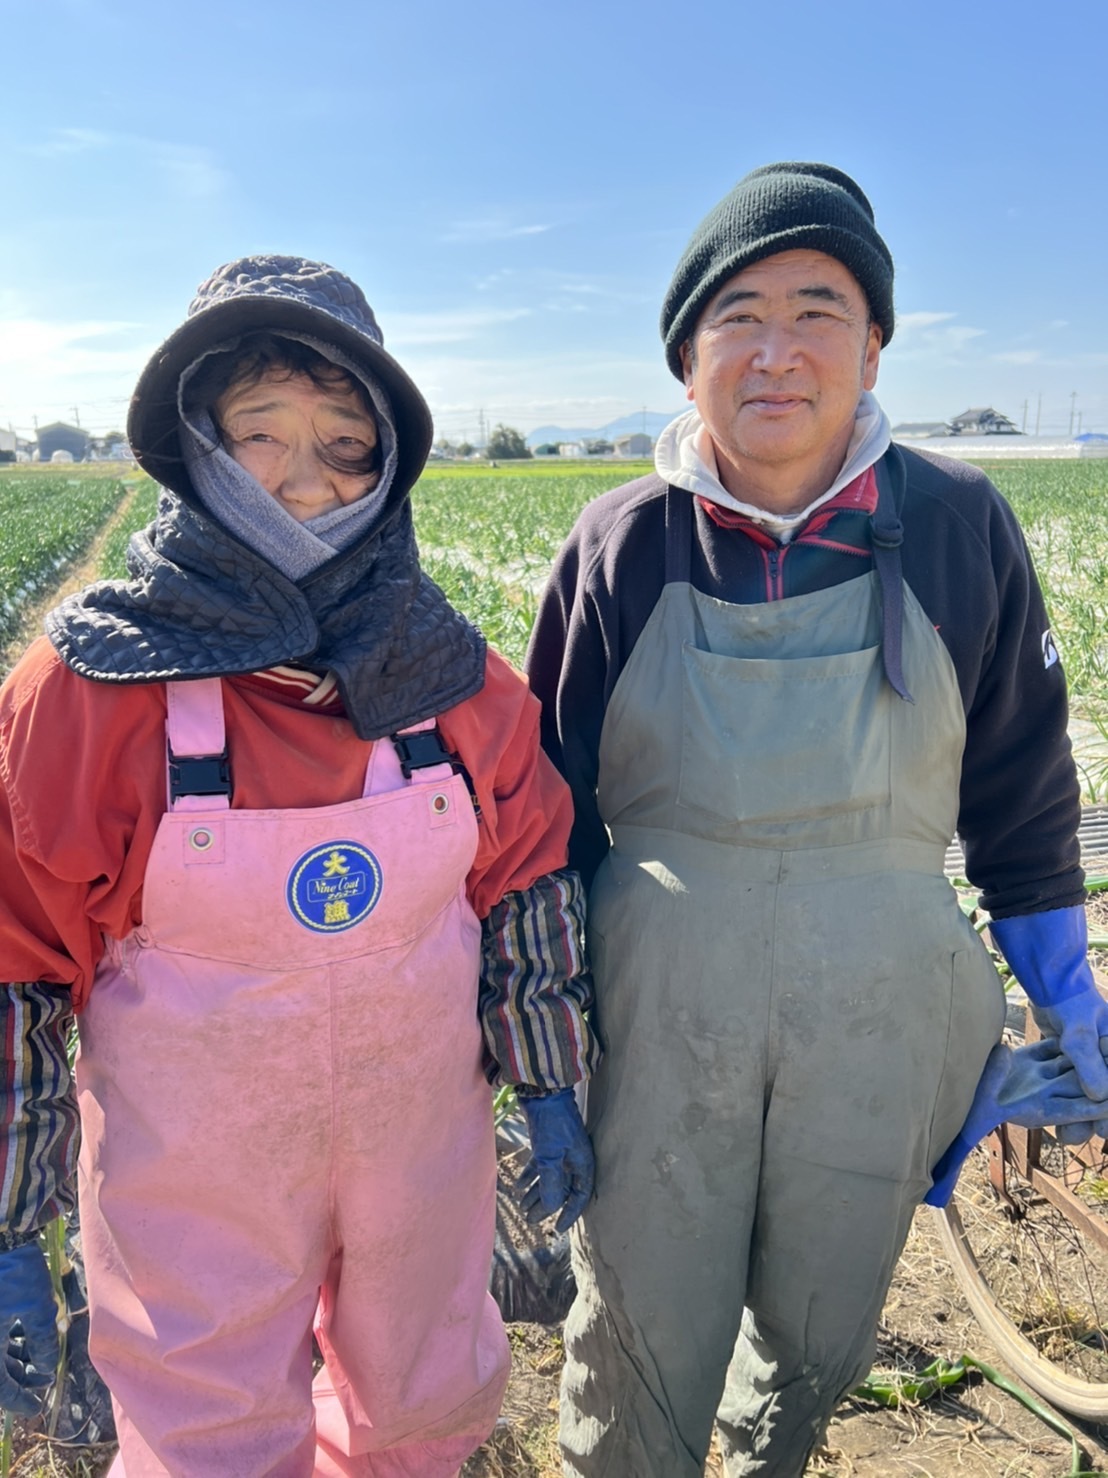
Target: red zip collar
x,y
860,495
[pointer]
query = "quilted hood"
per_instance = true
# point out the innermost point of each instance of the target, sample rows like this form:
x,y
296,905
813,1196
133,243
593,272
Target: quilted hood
x,y
271,294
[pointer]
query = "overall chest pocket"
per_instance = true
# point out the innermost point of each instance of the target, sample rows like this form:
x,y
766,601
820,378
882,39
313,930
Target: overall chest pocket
x,y
779,740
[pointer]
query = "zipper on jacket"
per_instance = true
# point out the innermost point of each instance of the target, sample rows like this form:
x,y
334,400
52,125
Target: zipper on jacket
x,y
775,579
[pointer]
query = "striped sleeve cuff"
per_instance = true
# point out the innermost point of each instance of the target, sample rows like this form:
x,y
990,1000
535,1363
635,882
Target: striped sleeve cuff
x,y
39,1132
536,989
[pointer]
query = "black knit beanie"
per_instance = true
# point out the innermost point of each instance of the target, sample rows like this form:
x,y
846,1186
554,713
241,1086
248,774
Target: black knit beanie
x,y
778,208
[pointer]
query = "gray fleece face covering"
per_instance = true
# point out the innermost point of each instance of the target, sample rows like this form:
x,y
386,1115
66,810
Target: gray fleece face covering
x,y
244,508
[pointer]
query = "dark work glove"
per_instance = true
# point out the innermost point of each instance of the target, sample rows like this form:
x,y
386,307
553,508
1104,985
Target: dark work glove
x,y
559,1175
1033,1086
29,1326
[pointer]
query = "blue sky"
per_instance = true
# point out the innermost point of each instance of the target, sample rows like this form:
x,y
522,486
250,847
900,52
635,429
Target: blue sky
x,y
513,183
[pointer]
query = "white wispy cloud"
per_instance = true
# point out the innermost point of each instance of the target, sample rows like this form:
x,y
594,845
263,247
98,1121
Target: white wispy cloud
x,y
560,292
955,337
932,336
493,279
453,327
906,323
62,141
33,343
1018,356
491,229
91,363
192,173
577,295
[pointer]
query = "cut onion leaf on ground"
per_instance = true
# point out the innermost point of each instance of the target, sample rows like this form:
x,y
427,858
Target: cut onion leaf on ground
x,y
895,1390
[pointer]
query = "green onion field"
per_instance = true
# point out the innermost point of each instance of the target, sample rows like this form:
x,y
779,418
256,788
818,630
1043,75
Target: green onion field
x,y
487,535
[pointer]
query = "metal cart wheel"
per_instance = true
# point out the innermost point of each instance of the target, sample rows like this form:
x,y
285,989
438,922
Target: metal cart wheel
x,y
1027,1236
1027,1229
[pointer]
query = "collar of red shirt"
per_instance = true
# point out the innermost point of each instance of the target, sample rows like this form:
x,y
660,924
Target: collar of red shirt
x,y
859,494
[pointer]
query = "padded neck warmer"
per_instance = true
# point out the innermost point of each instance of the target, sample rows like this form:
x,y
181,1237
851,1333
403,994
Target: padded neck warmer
x,y
200,604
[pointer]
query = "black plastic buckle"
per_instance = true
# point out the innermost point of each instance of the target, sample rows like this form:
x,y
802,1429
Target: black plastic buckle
x,y
422,750
199,774
425,748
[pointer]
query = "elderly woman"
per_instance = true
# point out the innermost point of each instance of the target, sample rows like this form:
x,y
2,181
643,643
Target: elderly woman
x,y
276,826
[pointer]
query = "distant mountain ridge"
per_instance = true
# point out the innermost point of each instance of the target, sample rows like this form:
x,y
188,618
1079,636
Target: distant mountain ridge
x,y
652,422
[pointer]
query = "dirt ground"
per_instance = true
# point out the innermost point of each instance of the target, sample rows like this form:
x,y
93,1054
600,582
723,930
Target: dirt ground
x,y
973,1430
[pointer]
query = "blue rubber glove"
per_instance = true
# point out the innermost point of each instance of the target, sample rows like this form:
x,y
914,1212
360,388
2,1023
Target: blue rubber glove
x,y
29,1327
1033,1086
1080,1133
559,1175
1048,953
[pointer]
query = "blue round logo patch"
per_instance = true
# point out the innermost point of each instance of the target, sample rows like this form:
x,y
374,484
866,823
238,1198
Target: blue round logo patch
x,y
333,887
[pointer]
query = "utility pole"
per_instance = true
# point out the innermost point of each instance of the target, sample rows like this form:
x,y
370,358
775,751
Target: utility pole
x,y
1079,423
481,437
76,416
1073,406
1023,422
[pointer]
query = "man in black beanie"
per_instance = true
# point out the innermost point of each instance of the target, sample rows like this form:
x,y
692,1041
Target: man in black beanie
x,y
779,674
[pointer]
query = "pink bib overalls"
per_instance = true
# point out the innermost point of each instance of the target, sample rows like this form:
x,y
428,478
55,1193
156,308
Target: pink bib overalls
x,y
285,1124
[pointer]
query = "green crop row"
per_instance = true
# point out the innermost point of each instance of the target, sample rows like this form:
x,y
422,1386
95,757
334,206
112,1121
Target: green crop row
x,y
48,520
113,555
488,536
1063,508
513,519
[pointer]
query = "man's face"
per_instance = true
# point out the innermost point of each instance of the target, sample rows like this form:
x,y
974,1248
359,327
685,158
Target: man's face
x,y
776,365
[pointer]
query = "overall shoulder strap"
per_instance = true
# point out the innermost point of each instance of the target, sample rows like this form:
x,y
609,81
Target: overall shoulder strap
x,y
198,767
680,524
887,535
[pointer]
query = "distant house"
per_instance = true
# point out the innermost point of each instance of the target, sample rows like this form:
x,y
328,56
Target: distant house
x,y
983,421
917,430
571,449
114,448
59,437
7,446
637,444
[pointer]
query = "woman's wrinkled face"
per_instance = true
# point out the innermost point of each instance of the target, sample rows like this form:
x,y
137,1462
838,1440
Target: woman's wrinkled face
x,y
308,445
